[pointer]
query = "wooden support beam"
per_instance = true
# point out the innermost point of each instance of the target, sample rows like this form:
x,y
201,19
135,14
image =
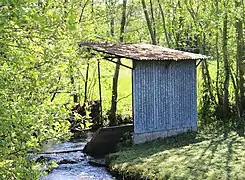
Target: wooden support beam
x,y
199,63
108,59
101,115
86,83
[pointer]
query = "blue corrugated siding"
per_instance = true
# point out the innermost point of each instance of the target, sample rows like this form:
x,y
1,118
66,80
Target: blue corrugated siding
x,y
164,95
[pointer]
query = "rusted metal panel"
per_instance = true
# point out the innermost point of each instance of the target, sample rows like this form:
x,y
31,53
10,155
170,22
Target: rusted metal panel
x,y
142,51
164,96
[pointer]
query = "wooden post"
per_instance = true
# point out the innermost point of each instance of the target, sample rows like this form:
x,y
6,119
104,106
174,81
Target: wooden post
x,y
101,118
86,84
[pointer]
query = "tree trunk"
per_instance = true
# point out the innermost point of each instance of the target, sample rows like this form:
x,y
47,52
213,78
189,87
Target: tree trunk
x,y
92,7
153,19
112,23
226,69
111,6
113,110
149,25
86,84
55,90
83,8
180,25
164,24
240,70
219,94
123,21
75,97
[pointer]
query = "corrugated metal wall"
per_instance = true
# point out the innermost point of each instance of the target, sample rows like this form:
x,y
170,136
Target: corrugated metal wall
x,y
164,95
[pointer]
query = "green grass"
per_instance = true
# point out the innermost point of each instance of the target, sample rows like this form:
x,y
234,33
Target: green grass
x,y
124,88
107,72
183,157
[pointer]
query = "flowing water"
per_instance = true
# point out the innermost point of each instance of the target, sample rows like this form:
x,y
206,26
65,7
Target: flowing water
x,y
72,163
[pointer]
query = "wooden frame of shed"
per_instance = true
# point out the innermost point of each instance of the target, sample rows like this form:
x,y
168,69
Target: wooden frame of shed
x,y
163,87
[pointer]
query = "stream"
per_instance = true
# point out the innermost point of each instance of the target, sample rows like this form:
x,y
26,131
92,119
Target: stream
x,y
72,163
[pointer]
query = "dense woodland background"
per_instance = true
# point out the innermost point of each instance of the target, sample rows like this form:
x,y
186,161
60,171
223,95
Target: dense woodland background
x,y
43,70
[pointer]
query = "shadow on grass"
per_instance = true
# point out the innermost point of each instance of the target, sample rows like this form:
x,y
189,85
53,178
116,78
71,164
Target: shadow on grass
x,y
186,156
208,158
173,142
229,158
137,153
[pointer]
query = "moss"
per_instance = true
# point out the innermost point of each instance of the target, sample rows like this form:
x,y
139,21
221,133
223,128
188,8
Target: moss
x,y
187,156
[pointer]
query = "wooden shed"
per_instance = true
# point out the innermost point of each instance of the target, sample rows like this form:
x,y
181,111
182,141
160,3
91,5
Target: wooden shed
x,y
163,87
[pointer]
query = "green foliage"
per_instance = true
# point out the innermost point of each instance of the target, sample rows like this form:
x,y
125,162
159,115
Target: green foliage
x,y
40,61
32,37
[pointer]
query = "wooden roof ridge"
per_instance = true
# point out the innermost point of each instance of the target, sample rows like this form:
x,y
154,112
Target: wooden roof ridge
x,y
142,51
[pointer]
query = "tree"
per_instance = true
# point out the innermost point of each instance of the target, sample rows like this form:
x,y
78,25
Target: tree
x,y
226,65
113,110
164,24
35,41
149,24
240,68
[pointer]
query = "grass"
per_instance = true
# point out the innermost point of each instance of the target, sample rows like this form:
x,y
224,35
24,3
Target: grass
x,y
107,72
183,157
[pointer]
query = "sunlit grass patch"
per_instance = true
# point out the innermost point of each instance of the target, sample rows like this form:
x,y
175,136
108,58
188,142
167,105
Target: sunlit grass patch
x,y
107,71
185,157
